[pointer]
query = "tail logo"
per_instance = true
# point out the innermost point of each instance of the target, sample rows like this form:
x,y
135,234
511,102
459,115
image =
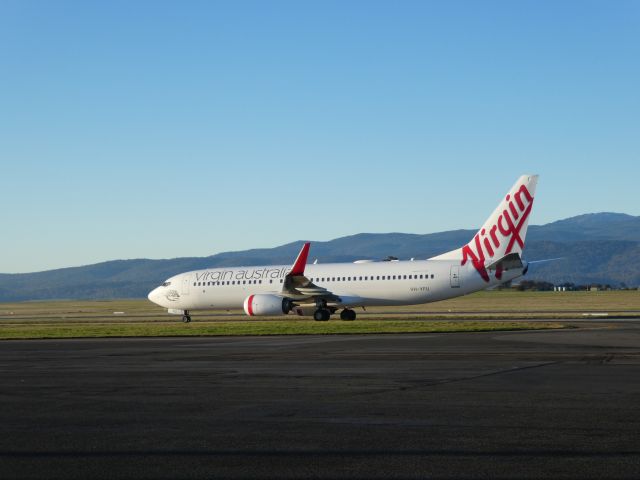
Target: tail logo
x,y
508,225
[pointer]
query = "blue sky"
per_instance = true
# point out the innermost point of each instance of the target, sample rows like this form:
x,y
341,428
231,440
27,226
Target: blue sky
x,y
169,129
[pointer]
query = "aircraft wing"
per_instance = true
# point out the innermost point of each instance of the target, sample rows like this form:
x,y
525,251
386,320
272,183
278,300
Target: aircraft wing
x,y
298,287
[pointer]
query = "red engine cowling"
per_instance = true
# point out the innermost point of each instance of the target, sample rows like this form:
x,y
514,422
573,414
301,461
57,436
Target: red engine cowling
x,y
262,304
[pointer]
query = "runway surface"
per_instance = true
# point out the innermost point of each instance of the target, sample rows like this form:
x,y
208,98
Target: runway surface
x,y
559,404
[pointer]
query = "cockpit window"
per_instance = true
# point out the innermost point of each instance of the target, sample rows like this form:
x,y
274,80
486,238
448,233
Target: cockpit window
x,y
166,284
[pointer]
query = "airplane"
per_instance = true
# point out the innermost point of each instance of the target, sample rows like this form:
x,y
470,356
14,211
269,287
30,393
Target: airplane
x,y
492,257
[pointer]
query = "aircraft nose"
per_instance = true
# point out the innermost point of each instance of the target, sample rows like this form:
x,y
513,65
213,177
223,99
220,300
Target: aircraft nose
x,y
153,295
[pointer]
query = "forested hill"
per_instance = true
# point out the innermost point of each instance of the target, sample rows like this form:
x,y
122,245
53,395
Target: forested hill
x,y
597,248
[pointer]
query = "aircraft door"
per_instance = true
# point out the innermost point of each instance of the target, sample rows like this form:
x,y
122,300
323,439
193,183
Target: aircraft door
x,y
455,276
186,283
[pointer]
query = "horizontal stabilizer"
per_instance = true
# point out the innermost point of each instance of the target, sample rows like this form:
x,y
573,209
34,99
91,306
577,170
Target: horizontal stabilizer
x,y
508,262
531,262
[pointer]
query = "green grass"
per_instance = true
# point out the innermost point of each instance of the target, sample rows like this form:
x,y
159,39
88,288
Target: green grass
x,y
277,327
482,311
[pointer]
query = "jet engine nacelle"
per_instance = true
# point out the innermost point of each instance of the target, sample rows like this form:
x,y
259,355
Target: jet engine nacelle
x,y
263,304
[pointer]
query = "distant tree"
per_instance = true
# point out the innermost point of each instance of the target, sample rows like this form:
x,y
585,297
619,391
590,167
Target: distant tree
x,y
535,286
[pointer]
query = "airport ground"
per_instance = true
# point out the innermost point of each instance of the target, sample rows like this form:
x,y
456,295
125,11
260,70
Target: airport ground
x,y
480,311
557,403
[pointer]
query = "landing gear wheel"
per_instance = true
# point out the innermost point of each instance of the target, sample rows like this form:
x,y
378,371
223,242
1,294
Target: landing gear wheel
x,y
347,314
321,315
186,318
287,306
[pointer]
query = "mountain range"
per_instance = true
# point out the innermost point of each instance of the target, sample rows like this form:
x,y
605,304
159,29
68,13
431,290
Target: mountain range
x,y
601,248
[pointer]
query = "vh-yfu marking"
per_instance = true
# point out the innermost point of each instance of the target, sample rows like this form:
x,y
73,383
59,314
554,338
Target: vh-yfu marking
x,y
492,257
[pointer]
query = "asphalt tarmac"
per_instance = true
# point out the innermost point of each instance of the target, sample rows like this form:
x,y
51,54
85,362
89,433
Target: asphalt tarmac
x,y
555,404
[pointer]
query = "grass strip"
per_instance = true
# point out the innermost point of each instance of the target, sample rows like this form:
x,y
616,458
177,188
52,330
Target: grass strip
x,y
284,327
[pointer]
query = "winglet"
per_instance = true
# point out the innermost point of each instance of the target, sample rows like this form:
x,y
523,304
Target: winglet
x,y
301,261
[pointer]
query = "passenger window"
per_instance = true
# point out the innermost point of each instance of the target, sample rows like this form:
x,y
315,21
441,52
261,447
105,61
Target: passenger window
x,y
432,275
404,277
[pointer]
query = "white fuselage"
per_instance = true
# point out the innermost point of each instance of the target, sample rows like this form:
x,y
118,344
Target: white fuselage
x,y
357,284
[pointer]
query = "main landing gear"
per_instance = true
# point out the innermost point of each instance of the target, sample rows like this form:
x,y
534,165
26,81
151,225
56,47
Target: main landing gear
x,y
321,315
186,318
347,314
